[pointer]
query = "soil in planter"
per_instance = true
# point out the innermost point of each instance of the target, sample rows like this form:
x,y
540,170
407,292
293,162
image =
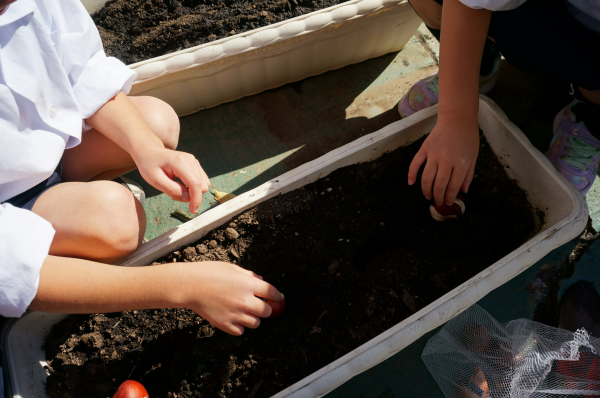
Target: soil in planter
x,y
355,253
135,30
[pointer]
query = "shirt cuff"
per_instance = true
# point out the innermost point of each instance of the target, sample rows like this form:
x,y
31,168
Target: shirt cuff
x,y
25,240
102,79
493,5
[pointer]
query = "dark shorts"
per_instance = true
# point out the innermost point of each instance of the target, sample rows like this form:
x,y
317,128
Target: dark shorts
x,y
541,36
27,199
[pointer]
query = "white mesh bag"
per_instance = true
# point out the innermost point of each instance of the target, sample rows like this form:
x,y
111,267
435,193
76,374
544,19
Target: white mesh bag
x,y
474,356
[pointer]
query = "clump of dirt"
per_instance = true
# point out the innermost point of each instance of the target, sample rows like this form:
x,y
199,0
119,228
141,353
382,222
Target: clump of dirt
x,y
135,30
355,253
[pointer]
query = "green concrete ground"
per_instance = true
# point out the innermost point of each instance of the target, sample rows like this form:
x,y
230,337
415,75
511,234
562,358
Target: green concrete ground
x,y
247,142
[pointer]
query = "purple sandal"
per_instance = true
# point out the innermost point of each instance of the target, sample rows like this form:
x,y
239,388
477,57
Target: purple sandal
x,y
425,92
574,151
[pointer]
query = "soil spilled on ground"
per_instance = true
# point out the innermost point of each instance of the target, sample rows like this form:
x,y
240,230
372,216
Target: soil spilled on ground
x,y
136,30
355,253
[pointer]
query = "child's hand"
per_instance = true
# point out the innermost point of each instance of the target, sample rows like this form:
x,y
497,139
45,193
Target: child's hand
x,y
121,122
160,166
226,295
450,151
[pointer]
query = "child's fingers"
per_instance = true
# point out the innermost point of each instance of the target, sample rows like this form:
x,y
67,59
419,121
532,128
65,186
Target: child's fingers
x,y
234,329
456,179
442,176
194,184
415,165
260,308
175,190
252,273
256,276
427,179
197,188
468,179
249,321
266,291
195,179
205,185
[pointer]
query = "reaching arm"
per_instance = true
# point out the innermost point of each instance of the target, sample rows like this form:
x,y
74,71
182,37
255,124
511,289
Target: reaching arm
x,y
120,121
224,294
450,150
465,31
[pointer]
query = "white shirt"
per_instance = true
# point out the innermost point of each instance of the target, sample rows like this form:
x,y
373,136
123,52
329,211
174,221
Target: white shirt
x,y
53,75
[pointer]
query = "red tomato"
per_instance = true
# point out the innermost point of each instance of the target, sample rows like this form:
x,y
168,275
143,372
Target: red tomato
x,y
443,212
131,389
277,307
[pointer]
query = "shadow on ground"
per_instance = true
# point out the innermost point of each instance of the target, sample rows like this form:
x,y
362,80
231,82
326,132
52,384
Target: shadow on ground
x,y
308,116
531,101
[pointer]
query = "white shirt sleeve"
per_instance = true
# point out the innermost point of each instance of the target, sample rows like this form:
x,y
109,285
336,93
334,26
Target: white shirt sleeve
x,y
493,5
95,78
25,240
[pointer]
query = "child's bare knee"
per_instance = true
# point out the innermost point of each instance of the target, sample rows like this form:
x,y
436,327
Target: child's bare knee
x,y
429,11
168,126
120,220
163,121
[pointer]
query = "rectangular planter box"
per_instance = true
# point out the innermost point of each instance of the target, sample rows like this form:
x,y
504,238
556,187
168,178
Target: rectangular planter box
x,y
566,217
250,62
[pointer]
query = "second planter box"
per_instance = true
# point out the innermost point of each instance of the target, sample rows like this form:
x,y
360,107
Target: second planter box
x,y
248,63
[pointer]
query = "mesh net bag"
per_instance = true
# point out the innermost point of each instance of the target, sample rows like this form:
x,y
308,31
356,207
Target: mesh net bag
x,y
474,356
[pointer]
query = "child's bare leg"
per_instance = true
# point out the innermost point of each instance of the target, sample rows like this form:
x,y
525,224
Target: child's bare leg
x,y
592,96
98,158
429,11
99,220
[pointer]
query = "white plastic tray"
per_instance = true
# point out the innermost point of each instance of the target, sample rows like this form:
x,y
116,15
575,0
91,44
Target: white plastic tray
x,y
248,63
566,216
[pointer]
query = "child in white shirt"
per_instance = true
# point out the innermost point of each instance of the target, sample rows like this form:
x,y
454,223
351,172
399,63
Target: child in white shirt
x,y
62,220
557,37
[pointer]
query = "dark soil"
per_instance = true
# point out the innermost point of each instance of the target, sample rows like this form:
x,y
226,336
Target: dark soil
x,y
136,30
355,253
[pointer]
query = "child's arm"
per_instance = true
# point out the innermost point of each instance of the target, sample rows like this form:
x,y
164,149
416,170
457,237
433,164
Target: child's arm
x,y
451,148
120,121
222,293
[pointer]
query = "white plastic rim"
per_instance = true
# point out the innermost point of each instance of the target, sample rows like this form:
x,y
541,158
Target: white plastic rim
x,y
565,211
256,38
224,70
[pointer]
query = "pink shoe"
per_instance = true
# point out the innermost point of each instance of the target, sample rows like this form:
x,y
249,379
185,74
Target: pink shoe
x,y
574,151
425,92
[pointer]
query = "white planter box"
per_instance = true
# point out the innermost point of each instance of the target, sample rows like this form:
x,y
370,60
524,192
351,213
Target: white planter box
x,y
248,63
566,217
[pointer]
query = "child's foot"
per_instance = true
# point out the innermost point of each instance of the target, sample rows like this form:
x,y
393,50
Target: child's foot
x,y
425,92
580,308
574,152
135,188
